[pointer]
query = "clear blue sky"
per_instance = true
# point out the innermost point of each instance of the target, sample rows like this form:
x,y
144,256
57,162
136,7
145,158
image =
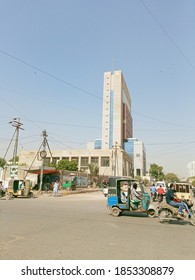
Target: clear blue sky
x,y
52,58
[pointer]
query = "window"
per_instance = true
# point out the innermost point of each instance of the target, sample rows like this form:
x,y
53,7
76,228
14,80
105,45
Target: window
x,y
65,158
95,160
75,159
55,160
47,161
84,161
138,172
105,161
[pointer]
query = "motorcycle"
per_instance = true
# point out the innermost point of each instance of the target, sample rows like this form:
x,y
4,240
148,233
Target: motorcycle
x,y
153,196
169,213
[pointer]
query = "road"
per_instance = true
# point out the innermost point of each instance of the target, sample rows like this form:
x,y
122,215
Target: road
x,y
80,227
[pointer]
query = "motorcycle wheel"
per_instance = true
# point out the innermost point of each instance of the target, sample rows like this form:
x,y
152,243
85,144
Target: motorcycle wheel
x,y
164,213
192,219
151,213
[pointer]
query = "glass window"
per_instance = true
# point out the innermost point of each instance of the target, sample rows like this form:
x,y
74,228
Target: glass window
x,y
84,161
55,159
105,161
95,160
65,158
75,159
138,172
47,161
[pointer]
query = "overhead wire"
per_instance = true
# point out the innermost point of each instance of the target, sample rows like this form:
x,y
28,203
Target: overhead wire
x,y
167,35
50,75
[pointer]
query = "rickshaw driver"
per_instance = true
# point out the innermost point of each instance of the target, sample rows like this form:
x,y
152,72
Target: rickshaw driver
x,y
170,200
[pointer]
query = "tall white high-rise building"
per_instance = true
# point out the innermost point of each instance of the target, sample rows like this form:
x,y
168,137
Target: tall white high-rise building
x,y
116,116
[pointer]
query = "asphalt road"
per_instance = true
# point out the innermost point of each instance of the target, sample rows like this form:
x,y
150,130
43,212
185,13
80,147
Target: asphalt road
x,y
80,227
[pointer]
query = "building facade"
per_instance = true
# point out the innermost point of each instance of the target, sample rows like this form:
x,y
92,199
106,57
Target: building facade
x,y
137,151
117,122
110,161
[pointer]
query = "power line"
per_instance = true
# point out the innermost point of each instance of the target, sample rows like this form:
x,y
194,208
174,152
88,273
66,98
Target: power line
x,y
167,35
50,75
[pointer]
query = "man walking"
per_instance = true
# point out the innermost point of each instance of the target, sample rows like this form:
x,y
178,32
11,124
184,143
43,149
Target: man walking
x,y
55,188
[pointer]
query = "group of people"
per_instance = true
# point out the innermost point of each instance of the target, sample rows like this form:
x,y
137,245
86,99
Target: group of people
x,y
157,193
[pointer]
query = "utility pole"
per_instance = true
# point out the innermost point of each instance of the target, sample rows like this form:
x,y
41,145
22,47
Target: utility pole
x,y
43,155
17,124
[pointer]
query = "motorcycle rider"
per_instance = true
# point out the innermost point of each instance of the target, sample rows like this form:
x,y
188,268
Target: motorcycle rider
x,y
153,192
160,192
170,200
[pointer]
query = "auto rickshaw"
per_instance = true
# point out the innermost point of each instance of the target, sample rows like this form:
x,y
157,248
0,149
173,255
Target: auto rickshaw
x,y
19,188
119,201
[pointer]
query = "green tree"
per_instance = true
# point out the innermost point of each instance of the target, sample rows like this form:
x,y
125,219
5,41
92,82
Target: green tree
x,y
16,159
94,171
65,164
193,183
156,172
2,162
171,178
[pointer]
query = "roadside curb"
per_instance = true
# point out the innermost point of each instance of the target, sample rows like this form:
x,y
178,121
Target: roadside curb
x,y
62,193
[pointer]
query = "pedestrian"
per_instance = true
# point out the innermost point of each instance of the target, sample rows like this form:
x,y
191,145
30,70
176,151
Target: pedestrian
x,y
55,188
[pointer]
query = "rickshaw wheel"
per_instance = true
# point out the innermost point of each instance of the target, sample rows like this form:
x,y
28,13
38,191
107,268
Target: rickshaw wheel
x,y
151,213
116,211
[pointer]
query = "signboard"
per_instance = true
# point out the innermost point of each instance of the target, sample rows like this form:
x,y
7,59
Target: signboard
x,y
13,170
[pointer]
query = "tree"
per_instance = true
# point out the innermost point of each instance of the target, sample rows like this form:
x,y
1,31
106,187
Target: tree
x,y
65,164
94,171
171,178
156,172
2,162
16,159
193,183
